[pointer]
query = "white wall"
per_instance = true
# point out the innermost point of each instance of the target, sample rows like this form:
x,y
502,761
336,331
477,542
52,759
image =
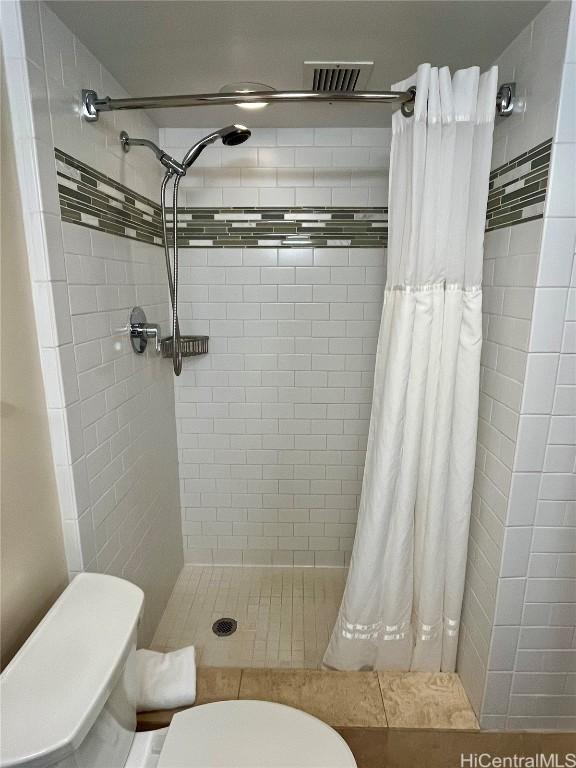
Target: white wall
x,y
525,287
272,423
110,412
32,563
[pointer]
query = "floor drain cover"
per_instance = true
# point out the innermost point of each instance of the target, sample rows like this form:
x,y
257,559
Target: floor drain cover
x,y
224,627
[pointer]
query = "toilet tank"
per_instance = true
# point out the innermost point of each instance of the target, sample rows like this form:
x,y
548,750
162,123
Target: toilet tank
x,y
68,697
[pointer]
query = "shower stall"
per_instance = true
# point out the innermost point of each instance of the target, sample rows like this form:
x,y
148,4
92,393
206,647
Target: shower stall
x,y
255,271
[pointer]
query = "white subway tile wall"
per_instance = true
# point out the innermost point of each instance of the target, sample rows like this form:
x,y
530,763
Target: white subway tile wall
x,y
518,644
272,423
287,167
542,670
129,516
110,412
510,261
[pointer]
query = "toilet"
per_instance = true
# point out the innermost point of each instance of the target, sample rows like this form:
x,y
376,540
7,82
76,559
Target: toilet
x,y
67,699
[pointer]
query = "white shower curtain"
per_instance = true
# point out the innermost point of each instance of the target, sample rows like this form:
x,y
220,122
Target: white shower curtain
x,y
402,602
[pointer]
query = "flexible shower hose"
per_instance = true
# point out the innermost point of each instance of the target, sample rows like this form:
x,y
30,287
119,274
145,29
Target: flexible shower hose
x,y
172,270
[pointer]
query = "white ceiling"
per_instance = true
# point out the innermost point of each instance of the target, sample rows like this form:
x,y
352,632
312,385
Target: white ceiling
x,y
164,47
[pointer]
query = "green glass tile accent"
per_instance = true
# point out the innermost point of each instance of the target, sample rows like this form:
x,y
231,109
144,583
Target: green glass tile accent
x,y
517,189
91,199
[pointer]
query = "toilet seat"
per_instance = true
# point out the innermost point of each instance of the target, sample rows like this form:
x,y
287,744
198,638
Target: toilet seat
x,y
252,734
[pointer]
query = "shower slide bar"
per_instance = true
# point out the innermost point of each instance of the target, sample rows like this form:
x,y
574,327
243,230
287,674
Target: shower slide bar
x,y
92,104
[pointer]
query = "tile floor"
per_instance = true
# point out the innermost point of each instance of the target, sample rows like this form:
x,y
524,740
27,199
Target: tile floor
x,y
285,615
387,741
342,699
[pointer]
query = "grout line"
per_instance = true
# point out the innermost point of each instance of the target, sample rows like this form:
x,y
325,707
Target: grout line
x,y
240,682
382,698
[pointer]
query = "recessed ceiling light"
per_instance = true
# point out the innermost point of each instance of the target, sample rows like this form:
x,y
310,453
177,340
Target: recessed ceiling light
x,y
248,88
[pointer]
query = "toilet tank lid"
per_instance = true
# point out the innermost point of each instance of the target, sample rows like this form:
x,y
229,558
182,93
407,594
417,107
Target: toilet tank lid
x,y
55,687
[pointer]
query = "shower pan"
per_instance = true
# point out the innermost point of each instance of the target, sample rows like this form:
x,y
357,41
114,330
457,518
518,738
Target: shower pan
x,y
175,346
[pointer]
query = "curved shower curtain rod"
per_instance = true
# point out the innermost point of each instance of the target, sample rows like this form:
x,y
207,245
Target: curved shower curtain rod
x,y
92,104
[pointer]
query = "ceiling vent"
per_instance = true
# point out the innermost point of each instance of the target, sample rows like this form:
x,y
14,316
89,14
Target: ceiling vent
x,y
339,76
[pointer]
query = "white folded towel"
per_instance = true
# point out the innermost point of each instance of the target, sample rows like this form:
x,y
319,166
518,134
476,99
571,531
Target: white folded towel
x,y
165,680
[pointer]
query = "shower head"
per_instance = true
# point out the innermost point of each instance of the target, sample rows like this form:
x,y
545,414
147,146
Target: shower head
x,y
231,136
234,134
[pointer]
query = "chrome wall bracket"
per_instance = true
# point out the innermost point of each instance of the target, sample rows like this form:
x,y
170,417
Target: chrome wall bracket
x,y
141,331
88,106
407,107
505,99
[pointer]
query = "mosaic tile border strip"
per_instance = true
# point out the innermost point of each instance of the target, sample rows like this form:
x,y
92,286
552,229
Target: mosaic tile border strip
x,y
91,199
517,189
299,227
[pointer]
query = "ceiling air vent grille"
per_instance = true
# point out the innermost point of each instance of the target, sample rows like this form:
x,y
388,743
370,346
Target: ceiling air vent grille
x,y
339,76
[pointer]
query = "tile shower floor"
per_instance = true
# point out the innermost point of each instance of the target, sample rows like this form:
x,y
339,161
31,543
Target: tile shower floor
x,y
284,615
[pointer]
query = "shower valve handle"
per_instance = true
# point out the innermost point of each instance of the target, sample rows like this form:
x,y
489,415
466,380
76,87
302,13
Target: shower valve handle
x,y
141,331
147,331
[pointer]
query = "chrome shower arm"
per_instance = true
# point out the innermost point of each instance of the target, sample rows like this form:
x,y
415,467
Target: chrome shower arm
x,y
128,142
172,165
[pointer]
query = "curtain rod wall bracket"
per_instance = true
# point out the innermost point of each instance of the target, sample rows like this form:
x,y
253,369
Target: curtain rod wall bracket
x,y
407,107
88,107
505,99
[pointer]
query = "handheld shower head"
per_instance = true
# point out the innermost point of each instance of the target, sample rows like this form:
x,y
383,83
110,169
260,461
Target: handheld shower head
x,y
234,134
231,136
